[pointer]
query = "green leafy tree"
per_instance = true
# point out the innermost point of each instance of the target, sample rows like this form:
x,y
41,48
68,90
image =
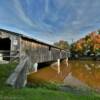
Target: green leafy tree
x,y
62,44
99,31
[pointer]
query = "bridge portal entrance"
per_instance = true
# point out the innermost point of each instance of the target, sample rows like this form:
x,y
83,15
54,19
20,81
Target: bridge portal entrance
x,y
5,44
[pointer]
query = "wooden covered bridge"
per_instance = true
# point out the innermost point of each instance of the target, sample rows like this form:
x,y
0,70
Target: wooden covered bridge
x,y
28,52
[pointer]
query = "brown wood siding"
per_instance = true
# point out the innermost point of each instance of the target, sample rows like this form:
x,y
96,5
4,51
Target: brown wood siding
x,y
37,52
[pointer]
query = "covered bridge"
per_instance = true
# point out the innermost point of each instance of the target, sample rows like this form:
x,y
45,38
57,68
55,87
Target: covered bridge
x,y
28,52
14,45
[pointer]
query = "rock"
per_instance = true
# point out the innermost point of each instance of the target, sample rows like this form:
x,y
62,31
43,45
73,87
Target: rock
x,y
87,67
74,82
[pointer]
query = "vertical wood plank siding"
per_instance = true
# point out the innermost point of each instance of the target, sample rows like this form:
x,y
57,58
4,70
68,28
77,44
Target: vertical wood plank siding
x,y
37,52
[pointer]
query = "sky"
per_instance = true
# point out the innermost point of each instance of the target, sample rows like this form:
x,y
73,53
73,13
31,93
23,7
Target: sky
x,y
50,20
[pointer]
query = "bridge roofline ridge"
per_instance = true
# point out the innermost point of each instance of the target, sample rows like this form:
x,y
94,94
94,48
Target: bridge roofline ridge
x,y
29,38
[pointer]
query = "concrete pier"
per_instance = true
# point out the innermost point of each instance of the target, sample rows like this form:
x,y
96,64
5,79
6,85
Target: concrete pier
x,y
58,64
35,67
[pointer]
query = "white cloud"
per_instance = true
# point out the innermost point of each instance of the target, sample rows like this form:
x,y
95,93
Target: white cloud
x,y
46,6
20,12
60,3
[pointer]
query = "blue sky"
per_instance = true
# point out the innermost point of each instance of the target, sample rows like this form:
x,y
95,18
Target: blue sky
x,y
50,20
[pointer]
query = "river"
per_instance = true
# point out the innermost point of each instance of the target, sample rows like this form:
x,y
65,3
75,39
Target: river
x,y
77,71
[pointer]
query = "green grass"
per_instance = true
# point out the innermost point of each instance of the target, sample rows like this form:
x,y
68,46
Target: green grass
x,y
36,93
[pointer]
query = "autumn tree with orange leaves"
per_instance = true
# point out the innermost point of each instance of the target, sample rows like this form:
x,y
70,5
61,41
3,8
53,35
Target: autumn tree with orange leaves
x,y
90,43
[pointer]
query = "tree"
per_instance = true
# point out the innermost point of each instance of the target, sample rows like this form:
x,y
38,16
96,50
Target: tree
x,y
62,44
99,31
90,44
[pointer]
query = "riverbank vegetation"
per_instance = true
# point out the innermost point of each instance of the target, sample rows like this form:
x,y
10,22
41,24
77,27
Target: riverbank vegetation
x,y
35,93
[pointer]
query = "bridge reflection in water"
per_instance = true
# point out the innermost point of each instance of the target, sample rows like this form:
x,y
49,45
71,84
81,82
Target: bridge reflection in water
x,y
87,72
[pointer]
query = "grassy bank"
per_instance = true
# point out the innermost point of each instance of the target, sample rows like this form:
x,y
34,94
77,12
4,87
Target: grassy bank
x,y
36,93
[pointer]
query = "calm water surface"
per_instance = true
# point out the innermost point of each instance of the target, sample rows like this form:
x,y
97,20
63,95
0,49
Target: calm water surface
x,y
87,72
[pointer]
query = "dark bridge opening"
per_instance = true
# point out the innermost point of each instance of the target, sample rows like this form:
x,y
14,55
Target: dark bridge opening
x,y
45,64
5,48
